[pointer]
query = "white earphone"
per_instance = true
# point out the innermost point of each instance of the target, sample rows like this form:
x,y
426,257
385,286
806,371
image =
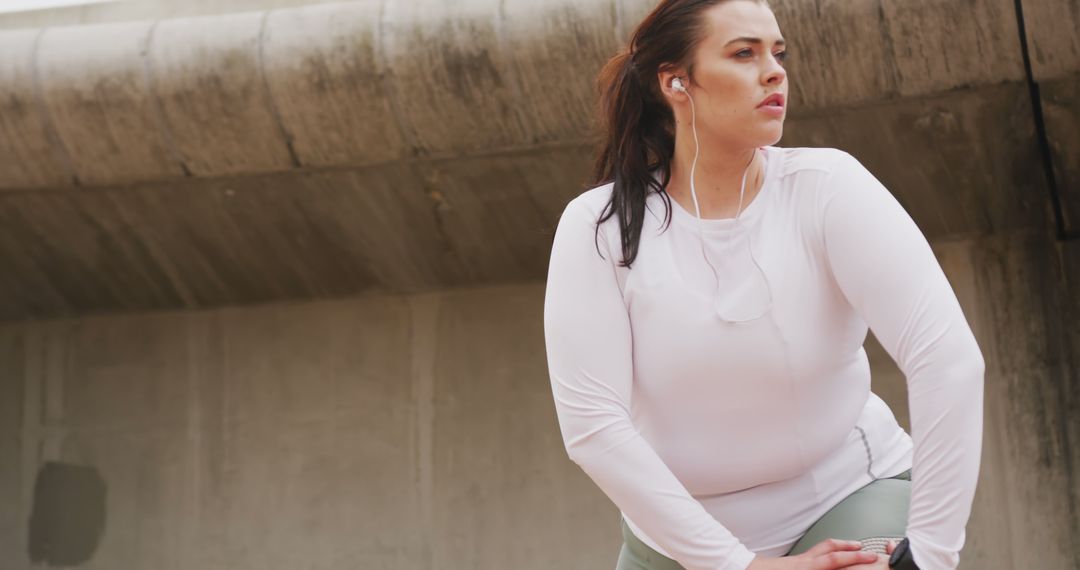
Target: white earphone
x,y
677,85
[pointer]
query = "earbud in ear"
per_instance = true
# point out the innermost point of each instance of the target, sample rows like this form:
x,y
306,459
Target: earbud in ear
x,y
677,85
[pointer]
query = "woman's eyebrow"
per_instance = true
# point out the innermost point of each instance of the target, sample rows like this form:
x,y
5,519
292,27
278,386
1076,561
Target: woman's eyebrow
x,y
779,42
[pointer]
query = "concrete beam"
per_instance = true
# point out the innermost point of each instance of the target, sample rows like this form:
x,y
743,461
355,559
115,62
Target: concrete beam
x,y
30,155
329,86
355,83
333,149
96,89
398,227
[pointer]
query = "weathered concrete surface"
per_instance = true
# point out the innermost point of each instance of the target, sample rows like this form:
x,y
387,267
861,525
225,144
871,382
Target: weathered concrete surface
x,y
107,122
392,146
208,77
384,432
455,117
847,53
129,11
27,156
1054,45
1029,308
399,227
438,78
329,85
418,431
1061,110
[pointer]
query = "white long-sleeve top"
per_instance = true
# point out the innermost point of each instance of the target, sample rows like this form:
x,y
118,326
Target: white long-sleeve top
x,y
719,441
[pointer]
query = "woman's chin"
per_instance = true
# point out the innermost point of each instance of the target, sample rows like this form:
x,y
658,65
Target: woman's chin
x,y
770,136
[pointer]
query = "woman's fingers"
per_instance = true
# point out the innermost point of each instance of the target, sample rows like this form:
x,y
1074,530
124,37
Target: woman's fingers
x,y
882,563
834,554
832,545
843,559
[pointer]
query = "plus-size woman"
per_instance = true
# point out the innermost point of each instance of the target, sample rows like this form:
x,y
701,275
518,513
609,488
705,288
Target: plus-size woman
x,y
706,307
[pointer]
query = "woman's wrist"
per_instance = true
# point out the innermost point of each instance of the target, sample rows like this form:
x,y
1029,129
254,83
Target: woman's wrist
x,y
901,558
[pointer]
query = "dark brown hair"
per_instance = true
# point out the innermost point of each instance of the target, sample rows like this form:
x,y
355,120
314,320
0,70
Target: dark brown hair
x,y
637,125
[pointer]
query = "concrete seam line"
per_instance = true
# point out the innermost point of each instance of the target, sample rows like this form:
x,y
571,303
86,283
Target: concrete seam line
x,y
60,152
434,158
893,71
155,102
424,311
514,80
271,102
386,83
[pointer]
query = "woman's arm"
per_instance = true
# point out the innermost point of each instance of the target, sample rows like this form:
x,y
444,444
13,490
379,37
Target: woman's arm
x,y
589,349
888,273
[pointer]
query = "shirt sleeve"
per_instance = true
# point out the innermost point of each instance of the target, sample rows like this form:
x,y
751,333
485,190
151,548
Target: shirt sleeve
x,y
589,351
888,273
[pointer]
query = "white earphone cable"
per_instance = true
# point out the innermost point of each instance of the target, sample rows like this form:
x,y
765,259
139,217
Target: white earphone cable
x,y
697,208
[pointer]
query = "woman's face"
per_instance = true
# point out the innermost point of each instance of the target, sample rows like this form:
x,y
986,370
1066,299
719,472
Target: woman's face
x,y
731,76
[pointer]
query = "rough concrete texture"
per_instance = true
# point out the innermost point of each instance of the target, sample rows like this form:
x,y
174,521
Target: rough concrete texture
x,y
329,84
418,431
385,432
108,124
1054,45
256,239
208,78
162,160
453,115
445,78
27,155
111,11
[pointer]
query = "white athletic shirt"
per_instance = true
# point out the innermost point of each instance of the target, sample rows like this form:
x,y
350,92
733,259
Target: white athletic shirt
x,y
717,441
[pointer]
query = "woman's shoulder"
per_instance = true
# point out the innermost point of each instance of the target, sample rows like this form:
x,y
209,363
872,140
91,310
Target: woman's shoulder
x,y
588,205
812,159
593,199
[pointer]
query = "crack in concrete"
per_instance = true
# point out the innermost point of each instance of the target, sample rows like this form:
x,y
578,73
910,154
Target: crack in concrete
x,y
51,132
286,136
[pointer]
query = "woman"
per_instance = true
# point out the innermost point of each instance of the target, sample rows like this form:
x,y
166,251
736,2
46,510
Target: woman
x,y
705,313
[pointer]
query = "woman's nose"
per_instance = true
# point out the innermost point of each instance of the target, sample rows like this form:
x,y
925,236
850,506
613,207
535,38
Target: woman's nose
x,y
775,73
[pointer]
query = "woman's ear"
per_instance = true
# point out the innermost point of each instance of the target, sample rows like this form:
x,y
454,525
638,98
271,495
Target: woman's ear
x,y
667,78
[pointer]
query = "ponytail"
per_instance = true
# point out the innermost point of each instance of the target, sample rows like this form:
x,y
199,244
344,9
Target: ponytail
x,y
638,141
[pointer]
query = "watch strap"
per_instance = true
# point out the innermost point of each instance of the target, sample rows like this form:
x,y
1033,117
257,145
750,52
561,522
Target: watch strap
x,y
901,558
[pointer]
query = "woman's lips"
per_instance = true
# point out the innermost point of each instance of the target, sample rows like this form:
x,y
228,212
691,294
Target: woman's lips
x,y
775,98
772,110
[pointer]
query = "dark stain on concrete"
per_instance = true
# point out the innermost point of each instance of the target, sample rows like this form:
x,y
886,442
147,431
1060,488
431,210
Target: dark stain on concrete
x,y
68,516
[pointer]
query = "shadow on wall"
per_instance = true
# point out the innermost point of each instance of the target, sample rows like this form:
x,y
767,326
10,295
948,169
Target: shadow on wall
x,y
68,515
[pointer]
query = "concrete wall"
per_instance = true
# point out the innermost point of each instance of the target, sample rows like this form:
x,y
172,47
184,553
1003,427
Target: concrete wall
x,y
134,10
418,431
380,432
179,156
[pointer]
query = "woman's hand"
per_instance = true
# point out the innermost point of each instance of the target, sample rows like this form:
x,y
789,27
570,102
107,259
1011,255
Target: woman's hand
x,y
831,554
882,561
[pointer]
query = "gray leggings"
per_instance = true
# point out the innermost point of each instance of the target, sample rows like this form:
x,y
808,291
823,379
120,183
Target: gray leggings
x,y
875,512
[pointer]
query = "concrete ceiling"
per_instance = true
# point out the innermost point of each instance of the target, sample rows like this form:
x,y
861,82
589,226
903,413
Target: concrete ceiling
x,y
408,145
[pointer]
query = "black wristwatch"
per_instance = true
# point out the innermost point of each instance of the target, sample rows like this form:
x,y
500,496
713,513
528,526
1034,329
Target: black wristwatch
x,y
901,558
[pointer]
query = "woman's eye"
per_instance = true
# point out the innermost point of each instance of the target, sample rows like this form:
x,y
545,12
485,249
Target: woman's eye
x,y
781,56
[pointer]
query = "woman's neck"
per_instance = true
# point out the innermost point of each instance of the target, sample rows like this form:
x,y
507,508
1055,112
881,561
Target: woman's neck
x,y
717,178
